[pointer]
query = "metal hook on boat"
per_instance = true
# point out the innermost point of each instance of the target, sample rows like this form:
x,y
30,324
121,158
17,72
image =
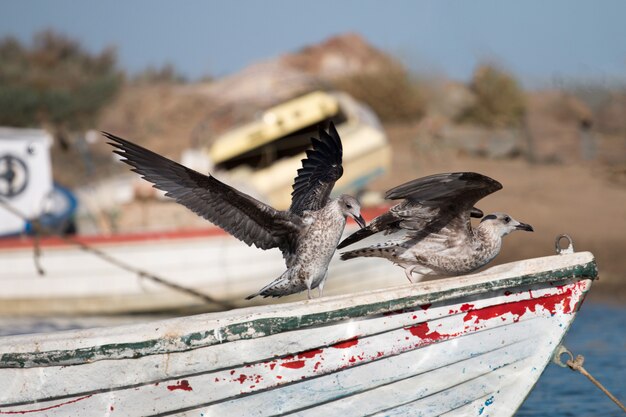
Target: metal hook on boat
x,y
561,350
564,251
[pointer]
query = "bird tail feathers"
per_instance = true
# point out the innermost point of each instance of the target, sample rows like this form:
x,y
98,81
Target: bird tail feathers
x,y
388,250
277,288
364,252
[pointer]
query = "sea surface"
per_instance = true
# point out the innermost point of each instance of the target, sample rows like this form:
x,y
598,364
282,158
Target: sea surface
x,y
598,333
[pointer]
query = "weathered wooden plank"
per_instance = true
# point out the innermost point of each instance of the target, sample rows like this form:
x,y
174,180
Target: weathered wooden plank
x,y
344,390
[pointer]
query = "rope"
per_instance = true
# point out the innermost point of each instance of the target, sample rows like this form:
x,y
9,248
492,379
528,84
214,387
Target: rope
x,y
577,365
37,247
38,228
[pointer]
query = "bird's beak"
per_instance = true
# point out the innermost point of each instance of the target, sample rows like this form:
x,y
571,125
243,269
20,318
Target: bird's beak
x,y
524,226
360,221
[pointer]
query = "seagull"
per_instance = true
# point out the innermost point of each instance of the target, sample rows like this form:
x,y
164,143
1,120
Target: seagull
x,y
307,234
431,232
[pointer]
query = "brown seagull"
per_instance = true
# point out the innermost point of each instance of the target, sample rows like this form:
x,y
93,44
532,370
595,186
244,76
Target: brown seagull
x,y
431,232
307,233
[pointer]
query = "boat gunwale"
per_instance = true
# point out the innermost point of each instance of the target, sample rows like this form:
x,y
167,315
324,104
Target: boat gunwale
x,y
246,326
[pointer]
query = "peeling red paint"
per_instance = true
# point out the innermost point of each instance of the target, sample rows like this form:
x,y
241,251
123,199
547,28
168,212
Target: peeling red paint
x,y
452,311
425,306
293,364
217,379
111,408
182,385
416,336
423,332
232,372
309,353
414,317
507,293
347,343
46,408
519,308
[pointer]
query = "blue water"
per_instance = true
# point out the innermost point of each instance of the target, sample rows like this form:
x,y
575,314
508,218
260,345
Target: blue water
x,y
599,334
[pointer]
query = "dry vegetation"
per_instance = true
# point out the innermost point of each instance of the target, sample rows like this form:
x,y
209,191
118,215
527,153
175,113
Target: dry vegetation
x,y
390,91
499,99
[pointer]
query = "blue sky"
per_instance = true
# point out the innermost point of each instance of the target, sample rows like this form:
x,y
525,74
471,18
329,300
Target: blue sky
x,y
538,40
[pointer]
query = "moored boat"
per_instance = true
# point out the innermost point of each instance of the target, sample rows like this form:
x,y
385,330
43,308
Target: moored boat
x,y
207,261
471,345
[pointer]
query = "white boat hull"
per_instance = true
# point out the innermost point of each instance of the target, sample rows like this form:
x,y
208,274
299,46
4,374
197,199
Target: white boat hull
x,y
473,345
208,261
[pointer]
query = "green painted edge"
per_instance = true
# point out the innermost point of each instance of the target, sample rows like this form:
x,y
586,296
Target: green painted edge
x,y
273,325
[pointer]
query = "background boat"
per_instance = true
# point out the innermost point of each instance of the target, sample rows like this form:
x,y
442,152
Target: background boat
x,y
208,261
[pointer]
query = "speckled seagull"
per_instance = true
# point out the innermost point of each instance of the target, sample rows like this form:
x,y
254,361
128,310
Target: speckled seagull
x,y
307,233
432,234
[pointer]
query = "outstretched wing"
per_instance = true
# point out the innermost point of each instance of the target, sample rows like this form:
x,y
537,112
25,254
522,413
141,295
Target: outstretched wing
x,y
462,188
430,204
320,170
244,217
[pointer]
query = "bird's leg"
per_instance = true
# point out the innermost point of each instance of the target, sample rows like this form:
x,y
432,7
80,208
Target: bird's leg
x,y
320,288
409,273
308,292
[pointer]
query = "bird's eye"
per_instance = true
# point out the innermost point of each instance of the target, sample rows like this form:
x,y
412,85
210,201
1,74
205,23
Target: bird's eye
x,y
506,219
349,205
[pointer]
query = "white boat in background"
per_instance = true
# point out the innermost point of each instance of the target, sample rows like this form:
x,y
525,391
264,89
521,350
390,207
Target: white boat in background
x,y
207,261
26,183
466,346
264,155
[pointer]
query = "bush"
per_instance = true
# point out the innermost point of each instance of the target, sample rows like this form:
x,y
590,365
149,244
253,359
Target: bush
x,y
499,99
389,91
54,81
166,74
